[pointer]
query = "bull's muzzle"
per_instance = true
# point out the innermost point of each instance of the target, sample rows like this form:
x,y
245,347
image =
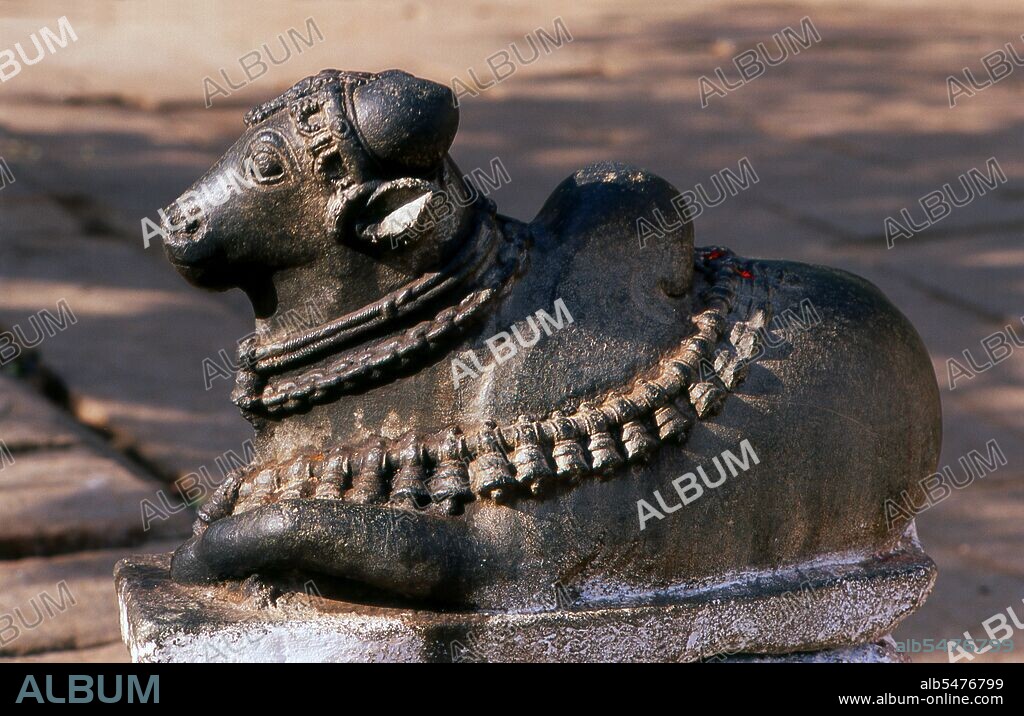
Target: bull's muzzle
x,y
183,235
176,219
193,250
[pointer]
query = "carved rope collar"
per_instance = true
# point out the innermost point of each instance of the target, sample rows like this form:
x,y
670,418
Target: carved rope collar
x,y
528,457
277,379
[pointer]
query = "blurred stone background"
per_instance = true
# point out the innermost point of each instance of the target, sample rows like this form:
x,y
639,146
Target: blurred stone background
x,y
105,131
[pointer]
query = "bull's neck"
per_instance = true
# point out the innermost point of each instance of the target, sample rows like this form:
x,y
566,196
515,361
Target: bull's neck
x,y
335,286
314,293
312,352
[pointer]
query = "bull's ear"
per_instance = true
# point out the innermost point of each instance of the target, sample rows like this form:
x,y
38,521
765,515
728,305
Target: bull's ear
x,y
396,213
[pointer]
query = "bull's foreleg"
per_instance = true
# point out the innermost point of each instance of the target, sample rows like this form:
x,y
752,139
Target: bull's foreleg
x,y
415,555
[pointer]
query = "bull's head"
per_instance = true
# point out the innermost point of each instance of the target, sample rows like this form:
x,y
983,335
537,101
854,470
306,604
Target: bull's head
x,y
334,181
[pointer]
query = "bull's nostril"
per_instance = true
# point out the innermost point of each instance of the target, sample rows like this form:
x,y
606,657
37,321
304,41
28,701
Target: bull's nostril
x,y
173,217
176,220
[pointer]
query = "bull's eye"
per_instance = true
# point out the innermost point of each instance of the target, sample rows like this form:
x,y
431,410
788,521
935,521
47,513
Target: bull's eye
x,y
267,165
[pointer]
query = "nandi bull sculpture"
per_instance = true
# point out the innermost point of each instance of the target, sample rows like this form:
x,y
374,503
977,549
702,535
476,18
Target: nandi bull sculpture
x,y
675,480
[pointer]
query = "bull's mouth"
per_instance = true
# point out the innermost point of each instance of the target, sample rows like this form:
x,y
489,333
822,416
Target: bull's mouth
x,y
205,274
190,256
179,263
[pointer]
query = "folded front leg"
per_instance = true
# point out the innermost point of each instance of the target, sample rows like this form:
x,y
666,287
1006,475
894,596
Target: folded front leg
x,y
410,554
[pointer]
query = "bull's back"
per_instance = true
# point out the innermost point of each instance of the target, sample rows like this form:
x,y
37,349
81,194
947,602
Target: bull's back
x,y
838,416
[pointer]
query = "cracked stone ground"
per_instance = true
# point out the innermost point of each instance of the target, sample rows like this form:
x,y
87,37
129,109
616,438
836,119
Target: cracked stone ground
x,y
849,131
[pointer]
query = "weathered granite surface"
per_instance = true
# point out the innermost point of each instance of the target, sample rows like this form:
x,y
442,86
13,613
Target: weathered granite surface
x,y
78,611
63,489
134,143
66,496
827,607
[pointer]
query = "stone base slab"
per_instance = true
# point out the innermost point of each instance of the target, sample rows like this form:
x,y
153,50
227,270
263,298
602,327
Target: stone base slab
x,y
832,611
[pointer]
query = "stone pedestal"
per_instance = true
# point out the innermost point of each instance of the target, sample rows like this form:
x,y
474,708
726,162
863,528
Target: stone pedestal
x,y
839,611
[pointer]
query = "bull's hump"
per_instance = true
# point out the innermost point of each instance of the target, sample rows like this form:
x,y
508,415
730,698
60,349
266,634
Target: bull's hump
x,y
605,209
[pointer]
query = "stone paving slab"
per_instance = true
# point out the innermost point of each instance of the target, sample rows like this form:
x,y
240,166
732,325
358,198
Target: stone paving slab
x,y
133,44
79,609
27,422
982,272
972,592
864,114
844,134
109,167
133,361
33,214
65,500
857,199
63,489
113,653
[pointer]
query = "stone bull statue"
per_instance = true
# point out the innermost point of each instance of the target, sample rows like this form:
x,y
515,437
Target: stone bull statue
x,y
492,406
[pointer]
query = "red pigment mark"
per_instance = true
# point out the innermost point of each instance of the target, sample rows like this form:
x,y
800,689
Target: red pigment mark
x,y
716,254
744,273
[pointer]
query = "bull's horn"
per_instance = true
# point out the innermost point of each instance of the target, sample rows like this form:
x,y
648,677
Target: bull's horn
x,y
406,122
